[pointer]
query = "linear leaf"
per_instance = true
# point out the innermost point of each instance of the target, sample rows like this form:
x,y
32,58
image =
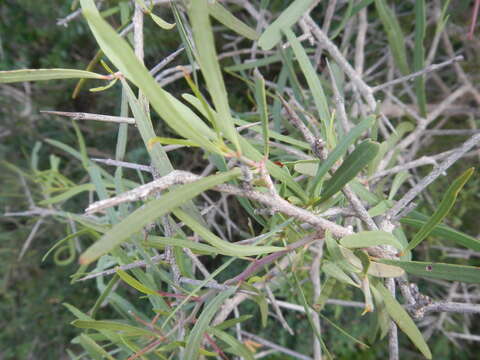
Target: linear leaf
x,y
177,115
273,33
161,242
364,194
264,61
261,100
274,135
389,143
130,280
333,270
395,36
226,247
307,167
342,147
374,268
236,346
397,182
452,272
229,20
381,208
208,60
230,322
336,254
252,153
346,17
196,335
93,348
46,74
419,55
403,320
124,329
370,238
71,192
314,84
160,22
444,231
150,211
443,209
353,164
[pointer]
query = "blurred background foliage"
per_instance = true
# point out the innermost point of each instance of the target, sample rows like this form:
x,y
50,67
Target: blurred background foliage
x,y
34,323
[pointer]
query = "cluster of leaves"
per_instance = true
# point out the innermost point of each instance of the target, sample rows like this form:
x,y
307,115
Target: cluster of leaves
x,y
300,188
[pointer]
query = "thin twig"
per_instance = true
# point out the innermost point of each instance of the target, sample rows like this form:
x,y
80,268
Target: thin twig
x,y
30,238
276,347
89,116
183,177
427,180
124,164
428,69
136,264
393,332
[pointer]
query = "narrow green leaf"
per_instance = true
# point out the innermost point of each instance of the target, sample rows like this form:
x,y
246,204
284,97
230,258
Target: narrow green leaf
x,y
208,60
346,17
260,299
307,308
222,245
374,268
267,60
253,154
229,20
342,331
261,100
395,36
236,347
79,314
160,22
196,335
123,329
104,295
342,147
397,182
452,272
389,143
403,320
275,135
336,254
445,231
130,280
231,322
331,269
370,238
364,194
46,74
381,208
353,164
195,101
360,5
443,209
419,55
161,242
95,350
150,211
65,239
177,115
307,167
71,192
314,84
273,33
